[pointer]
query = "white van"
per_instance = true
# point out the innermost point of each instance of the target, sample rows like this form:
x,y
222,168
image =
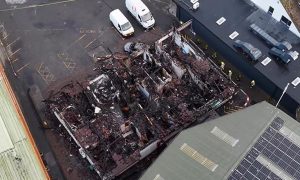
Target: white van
x,y
140,11
121,23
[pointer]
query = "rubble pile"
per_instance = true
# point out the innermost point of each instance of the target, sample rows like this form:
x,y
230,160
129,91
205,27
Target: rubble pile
x,y
137,103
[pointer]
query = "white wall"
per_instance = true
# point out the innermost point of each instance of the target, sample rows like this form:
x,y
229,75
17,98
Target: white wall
x,y
279,11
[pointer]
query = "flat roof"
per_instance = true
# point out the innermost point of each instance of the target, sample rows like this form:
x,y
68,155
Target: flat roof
x,y
239,16
17,155
243,127
278,12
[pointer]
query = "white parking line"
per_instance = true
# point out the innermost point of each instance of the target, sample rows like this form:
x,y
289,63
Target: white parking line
x,y
22,67
36,5
13,42
15,52
15,60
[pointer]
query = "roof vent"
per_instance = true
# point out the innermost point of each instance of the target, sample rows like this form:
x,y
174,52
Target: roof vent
x,y
296,81
195,3
224,136
158,177
293,54
233,35
266,61
192,153
221,21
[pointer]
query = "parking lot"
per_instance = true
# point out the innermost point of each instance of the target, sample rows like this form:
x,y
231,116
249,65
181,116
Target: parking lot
x,y
51,40
48,41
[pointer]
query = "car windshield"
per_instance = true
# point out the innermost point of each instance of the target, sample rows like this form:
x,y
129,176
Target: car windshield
x,y
255,53
126,26
146,17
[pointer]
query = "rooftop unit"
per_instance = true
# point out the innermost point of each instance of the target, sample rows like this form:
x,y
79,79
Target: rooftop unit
x,y
192,4
284,56
269,39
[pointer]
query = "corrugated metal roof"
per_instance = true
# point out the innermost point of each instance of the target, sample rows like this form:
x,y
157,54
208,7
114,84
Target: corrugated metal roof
x,y
5,142
245,125
17,156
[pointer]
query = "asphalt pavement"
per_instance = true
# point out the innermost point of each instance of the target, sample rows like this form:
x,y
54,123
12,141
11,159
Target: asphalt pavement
x,y
51,40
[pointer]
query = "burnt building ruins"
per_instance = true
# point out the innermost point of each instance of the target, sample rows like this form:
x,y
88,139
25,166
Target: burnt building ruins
x,y
136,103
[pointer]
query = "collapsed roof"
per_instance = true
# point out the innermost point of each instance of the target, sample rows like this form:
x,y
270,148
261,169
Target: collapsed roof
x,y
138,102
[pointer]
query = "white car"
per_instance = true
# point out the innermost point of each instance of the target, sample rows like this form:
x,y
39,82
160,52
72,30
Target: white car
x,y
121,23
141,13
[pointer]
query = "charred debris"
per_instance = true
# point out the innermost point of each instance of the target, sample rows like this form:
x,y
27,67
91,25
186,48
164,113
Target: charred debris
x,y
140,101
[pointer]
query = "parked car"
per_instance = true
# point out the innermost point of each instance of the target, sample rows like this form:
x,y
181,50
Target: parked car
x,y
248,48
283,56
121,23
140,12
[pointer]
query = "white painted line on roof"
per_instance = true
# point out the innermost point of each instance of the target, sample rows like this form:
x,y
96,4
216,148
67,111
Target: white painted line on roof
x,y
266,61
296,81
192,153
221,21
276,170
233,35
224,136
291,135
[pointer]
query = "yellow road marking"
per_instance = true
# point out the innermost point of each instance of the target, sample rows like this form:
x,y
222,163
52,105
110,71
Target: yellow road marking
x,y
76,41
45,73
90,43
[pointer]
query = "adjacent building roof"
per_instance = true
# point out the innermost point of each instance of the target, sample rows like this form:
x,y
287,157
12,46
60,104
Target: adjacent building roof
x,y
233,146
18,159
231,19
278,11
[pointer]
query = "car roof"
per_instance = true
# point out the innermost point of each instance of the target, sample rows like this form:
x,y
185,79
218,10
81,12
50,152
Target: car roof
x,y
119,16
141,8
248,45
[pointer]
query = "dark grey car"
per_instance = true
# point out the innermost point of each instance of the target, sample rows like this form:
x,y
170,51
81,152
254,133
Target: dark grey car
x,y
248,48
